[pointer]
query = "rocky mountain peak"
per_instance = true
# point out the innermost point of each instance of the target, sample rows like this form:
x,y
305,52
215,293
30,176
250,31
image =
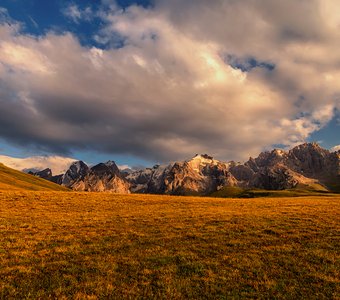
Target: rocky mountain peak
x,y
310,159
77,170
108,168
110,163
306,164
101,177
279,152
200,161
203,156
267,159
309,147
45,174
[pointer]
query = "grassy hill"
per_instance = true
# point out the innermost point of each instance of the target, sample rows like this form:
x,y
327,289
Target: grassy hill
x,y
56,245
298,191
15,180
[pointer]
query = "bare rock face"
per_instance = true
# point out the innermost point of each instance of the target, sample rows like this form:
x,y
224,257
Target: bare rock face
x,y
307,164
45,174
76,171
311,160
93,183
278,177
140,179
201,175
242,173
336,162
102,177
267,159
182,179
307,160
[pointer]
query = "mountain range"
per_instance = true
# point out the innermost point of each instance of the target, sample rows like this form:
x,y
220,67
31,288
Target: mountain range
x,y
305,166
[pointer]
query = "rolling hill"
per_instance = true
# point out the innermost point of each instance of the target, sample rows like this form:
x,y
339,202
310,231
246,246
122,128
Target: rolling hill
x,y
11,179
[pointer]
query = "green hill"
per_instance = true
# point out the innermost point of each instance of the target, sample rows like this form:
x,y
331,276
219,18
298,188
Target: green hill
x,y
15,180
299,191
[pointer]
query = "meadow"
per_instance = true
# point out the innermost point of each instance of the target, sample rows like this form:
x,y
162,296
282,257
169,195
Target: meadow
x,y
13,180
68,245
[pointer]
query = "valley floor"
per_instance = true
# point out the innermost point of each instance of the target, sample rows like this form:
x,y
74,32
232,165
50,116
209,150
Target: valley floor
x,y
100,245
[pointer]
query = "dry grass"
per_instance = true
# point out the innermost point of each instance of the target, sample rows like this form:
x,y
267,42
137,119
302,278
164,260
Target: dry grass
x,y
11,179
96,246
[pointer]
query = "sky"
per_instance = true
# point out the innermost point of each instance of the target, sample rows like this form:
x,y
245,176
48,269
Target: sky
x,y
144,82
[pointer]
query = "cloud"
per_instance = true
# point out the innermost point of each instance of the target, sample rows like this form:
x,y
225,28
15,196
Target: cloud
x,y
4,16
77,14
123,167
335,148
34,23
57,164
168,91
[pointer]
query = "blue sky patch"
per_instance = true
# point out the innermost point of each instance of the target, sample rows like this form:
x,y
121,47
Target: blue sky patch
x,y
248,63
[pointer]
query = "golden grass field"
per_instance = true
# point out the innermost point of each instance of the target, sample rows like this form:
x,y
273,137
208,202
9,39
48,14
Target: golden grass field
x,y
67,245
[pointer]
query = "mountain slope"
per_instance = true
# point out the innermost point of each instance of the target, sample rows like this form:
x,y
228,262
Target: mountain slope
x,y
101,177
200,175
307,168
11,179
57,164
307,165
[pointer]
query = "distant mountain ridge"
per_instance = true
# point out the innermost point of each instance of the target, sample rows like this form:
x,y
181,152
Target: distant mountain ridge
x,y
99,178
305,165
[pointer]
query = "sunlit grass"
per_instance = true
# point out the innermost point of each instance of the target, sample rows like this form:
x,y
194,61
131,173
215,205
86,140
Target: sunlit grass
x,y
99,245
15,180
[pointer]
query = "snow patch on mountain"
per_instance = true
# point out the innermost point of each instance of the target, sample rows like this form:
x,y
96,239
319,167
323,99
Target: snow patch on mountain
x,y
335,148
200,161
279,152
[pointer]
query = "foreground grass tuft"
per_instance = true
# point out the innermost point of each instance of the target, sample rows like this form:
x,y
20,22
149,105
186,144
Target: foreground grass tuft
x,y
96,246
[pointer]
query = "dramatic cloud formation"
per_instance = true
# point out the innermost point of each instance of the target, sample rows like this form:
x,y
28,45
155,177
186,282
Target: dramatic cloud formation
x,y
224,77
57,164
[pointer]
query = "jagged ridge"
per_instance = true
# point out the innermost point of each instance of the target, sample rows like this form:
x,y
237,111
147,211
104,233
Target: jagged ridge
x,y
305,165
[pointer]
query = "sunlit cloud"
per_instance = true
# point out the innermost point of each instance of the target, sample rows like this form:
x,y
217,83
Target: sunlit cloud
x,y
178,84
